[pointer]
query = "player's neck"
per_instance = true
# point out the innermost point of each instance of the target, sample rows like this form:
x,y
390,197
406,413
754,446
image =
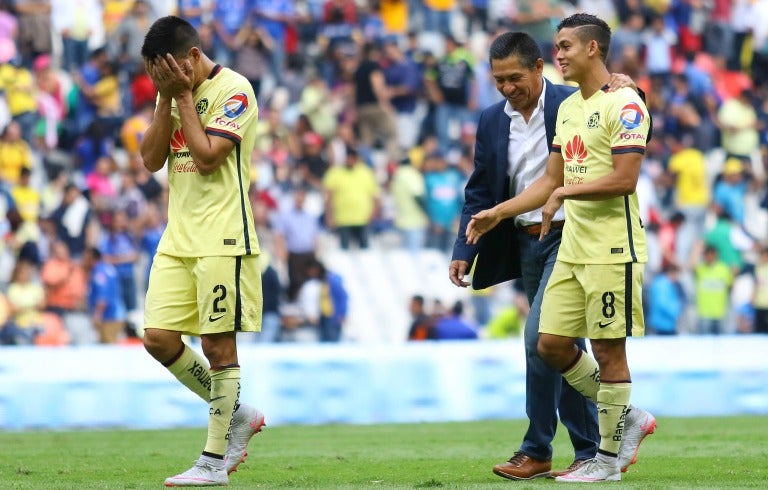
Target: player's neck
x,y
594,80
204,72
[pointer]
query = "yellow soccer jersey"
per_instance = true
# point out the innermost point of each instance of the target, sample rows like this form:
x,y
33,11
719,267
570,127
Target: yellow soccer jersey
x,y
211,215
588,133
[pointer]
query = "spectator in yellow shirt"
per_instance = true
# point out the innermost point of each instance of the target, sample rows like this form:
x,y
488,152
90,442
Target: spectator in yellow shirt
x,y
26,197
20,92
352,194
15,153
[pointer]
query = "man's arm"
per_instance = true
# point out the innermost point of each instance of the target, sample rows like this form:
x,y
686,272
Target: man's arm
x,y
533,197
478,195
155,144
379,86
208,152
621,182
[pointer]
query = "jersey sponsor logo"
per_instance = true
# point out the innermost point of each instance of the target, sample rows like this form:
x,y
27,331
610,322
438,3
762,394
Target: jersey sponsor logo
x,y
631,115
202,106
603,325
575,150
236,105
187,167
594,120
178,140
212,318
631,136
220,121
574,180
201,373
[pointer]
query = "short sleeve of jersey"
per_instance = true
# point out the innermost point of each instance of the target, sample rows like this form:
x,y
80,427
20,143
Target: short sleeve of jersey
x,y
232,112
628,122
564,113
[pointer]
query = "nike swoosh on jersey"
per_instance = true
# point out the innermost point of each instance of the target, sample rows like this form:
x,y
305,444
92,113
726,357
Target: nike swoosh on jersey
x,y
603,325
214,319
217,398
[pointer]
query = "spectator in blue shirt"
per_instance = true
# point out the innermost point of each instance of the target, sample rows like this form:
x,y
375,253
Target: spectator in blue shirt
x,y
666,302
453,326
105,299
296,238
153,229
228,17
274,16
731,190
403,80
192,11
120,249
444,193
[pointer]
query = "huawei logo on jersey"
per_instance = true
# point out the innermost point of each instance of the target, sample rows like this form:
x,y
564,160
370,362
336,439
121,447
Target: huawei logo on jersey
x,y
575,150
178,140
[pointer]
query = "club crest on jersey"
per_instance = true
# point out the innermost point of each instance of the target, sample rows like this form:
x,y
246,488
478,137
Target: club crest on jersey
x,y
575,151
202,106
631,116
594,120
236,105
178,140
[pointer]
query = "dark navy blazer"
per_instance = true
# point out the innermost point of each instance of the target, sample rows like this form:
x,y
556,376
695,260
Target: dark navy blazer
x,y
498,257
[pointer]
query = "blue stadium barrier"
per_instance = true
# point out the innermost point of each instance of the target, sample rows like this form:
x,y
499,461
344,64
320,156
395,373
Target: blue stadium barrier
x,y
112,386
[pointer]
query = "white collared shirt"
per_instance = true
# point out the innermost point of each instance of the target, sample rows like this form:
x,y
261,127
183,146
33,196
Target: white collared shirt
x,y
528,153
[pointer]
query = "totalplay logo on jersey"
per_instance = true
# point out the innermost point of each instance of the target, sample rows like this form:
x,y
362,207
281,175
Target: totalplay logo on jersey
x,y
631,116
236,105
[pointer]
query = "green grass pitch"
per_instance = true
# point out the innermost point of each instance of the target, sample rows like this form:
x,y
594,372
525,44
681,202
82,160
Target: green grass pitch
x,y
691,453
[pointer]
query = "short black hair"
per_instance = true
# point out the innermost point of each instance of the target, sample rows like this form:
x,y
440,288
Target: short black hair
x,y
518,44
589,28
169,34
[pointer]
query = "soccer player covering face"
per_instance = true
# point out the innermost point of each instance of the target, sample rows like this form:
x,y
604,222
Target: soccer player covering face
x,y
205,279
595,288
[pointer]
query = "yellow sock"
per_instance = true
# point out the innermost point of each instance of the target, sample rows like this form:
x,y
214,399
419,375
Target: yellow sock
x,y
191,369
584,375
612,404
225,392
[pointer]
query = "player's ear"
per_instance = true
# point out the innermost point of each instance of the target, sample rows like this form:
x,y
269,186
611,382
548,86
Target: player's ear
x,y
194,54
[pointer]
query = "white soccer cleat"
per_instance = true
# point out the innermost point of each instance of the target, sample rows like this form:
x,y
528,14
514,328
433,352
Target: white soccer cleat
x,y
637,425
202,474
246,422
593,471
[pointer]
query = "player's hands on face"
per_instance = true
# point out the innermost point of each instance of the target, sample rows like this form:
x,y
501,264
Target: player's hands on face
x,y
481,223
170,78
456,272
554,203
620,80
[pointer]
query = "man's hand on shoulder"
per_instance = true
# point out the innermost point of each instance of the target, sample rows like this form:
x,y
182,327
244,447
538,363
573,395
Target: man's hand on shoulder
x,y
456,272
620,80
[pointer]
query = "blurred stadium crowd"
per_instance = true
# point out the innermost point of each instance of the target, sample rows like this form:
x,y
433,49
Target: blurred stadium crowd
x,y
366,134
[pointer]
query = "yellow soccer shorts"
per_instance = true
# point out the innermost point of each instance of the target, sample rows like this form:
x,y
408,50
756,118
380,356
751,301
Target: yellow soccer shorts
x,y
594,301
204,295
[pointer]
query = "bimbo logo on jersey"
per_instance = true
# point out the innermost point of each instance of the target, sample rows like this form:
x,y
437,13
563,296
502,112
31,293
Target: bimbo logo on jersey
x,y
236,105
631,115
575,150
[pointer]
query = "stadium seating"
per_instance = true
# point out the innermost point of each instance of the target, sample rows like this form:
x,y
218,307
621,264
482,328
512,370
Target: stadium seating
x,y
380,283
